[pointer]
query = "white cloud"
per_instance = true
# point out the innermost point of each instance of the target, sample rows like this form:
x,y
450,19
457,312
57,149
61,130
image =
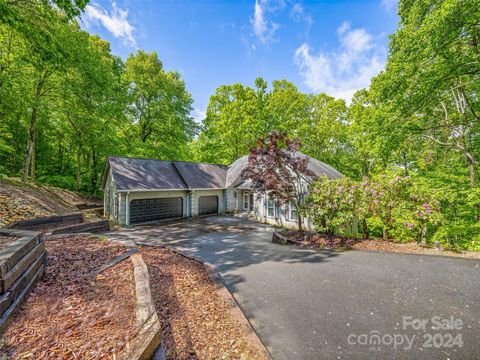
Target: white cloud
x,y
340,73
298,14
116,21
263,28
389,5
199,115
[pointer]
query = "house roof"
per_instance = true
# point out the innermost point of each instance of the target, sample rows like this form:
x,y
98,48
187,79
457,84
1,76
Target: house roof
x,y
145,174
235,170
316,166
320,168
201,175
134,174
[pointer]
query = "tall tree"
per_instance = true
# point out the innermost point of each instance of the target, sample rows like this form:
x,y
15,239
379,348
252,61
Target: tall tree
x,y
431,83
159,108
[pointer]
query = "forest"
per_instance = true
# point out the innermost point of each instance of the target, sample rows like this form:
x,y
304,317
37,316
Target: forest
x,y
66,103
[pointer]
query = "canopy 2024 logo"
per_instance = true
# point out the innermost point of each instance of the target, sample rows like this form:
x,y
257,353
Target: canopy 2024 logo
x,y
442,333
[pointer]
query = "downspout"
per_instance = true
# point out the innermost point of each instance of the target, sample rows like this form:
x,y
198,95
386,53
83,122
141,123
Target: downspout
x,y
236,199
189,203
127,210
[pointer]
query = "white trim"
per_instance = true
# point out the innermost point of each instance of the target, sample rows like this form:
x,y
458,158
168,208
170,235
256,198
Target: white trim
x,y
274,208
289,212
247,194
184,189
127,210
150,190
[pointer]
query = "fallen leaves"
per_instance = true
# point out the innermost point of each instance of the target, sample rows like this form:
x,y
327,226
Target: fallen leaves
x,y
13,209
70,313
196,321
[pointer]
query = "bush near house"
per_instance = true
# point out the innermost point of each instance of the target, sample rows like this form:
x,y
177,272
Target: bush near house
x,y
399,208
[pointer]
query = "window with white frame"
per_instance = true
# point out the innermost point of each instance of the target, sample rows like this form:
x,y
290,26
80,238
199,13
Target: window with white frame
x,y
270,207
292,211
245,201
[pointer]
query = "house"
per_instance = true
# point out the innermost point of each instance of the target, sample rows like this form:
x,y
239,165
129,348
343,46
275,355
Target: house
x,y
144,190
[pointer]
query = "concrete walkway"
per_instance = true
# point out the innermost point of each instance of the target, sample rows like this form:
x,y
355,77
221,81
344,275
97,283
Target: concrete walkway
x,y
313,304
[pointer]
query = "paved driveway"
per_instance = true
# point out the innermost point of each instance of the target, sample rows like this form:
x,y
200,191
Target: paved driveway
x,y
311,304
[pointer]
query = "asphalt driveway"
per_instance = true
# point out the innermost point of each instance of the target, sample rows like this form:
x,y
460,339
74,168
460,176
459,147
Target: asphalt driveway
x,y
313,304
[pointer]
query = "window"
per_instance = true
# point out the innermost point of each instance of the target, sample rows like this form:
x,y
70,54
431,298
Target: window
x,y
245,201
270,208
292,215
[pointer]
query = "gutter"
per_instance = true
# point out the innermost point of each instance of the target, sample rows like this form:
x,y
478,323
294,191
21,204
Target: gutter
x,y
184,189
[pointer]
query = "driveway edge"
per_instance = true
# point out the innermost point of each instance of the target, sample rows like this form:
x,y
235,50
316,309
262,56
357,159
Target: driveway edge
x,y
226,295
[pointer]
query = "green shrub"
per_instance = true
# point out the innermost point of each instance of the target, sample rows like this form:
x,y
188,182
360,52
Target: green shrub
x,y
460,236
61,181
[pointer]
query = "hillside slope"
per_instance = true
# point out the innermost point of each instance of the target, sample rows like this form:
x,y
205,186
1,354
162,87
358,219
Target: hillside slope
x,y
21,202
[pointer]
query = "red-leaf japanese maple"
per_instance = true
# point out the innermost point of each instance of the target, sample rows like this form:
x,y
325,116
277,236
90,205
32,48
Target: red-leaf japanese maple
x,y
277,168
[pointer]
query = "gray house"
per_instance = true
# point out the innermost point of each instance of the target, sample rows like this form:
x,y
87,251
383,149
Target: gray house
x,y
144,190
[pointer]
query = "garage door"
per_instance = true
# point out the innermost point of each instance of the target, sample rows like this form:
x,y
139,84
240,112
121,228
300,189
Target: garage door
x,y
155,209
207,205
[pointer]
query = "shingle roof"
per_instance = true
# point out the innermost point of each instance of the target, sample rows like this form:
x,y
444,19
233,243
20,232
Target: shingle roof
x,y
145,174
317,167
235,170
149,174
202,176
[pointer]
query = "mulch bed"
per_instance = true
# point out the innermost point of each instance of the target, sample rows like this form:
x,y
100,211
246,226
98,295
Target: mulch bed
x,y
197,322
410,248
315,240
71,314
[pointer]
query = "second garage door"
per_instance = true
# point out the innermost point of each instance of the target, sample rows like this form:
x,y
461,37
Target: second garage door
x,y
207,205
155,209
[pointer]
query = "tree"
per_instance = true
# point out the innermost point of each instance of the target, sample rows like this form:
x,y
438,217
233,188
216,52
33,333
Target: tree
x,y
429,90
159,108
276,168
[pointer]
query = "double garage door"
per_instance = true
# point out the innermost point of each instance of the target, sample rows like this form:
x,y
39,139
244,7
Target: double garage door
x,y
155,209
145,210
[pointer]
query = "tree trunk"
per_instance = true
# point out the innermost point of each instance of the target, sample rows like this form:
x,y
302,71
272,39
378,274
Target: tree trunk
x,y
32,129
30,144
77,177
365,233
471,170
423,235
94,172
300,222
33,162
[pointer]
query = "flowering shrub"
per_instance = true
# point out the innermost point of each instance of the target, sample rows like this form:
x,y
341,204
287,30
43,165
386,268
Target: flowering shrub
x,y
331,203
389,206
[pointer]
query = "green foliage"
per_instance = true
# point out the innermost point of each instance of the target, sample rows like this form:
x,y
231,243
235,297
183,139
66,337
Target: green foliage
x,y
389,206
332,203
66,102
61,181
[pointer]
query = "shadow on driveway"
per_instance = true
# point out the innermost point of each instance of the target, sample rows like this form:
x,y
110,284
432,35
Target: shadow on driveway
x,y
314,304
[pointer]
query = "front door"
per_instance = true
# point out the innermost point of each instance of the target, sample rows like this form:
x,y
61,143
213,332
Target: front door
x,y
251,202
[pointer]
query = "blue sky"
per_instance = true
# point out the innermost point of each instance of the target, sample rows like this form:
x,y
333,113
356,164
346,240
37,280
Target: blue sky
x,y
319,45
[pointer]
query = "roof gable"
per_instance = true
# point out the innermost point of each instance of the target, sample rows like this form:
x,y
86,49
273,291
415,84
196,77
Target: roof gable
x,y
202,176
145,174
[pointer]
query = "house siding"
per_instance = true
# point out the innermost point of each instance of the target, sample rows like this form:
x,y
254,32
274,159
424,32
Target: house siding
x,y
231,200
281,217
109,199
